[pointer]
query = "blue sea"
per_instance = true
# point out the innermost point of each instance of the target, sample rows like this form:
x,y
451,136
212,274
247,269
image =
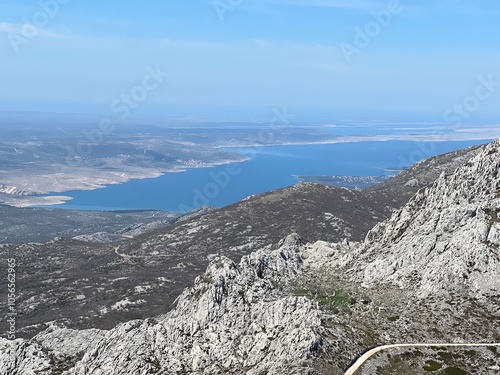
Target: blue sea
x,y
268,168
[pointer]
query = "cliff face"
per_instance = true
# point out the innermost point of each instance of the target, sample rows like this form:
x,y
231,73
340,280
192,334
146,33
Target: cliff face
x,y
300,308
237,318
446,237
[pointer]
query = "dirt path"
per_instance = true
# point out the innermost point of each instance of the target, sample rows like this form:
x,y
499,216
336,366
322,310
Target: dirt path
x,y
361,360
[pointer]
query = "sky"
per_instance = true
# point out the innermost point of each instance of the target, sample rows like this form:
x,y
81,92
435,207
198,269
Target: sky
x,y
242,59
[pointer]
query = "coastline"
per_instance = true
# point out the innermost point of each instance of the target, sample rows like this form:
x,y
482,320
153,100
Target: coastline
x,y
88,183
34,201
88,179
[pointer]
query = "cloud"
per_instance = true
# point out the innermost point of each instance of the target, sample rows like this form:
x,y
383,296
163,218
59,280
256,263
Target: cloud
x,y
6,27
15,28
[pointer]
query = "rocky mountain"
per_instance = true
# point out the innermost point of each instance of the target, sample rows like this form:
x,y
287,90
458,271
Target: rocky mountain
x,y
424,172
446,238
428,273
82,284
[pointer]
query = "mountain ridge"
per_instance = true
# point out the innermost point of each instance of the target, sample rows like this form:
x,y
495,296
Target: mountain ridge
x,y
303,307
147,273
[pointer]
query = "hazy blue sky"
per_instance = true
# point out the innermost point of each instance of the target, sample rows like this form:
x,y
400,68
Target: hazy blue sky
x,y
243,62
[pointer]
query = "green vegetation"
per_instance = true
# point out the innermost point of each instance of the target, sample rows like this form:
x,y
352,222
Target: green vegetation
x,y
395,367
300,292
470,353
447,357
454,371
432,366
492,215
336,298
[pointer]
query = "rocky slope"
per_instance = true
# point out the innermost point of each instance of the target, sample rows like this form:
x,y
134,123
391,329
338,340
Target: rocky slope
x,y
430,273
21,225
424,173
83,285
447,236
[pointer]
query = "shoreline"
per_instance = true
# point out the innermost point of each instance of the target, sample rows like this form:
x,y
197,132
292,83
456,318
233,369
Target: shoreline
x,y
45,199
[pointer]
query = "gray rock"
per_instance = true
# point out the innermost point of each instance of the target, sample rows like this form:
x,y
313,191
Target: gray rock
x,y
445,238
235,319
243,318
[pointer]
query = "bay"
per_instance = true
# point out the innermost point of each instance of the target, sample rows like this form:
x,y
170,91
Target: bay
x,y
269,168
